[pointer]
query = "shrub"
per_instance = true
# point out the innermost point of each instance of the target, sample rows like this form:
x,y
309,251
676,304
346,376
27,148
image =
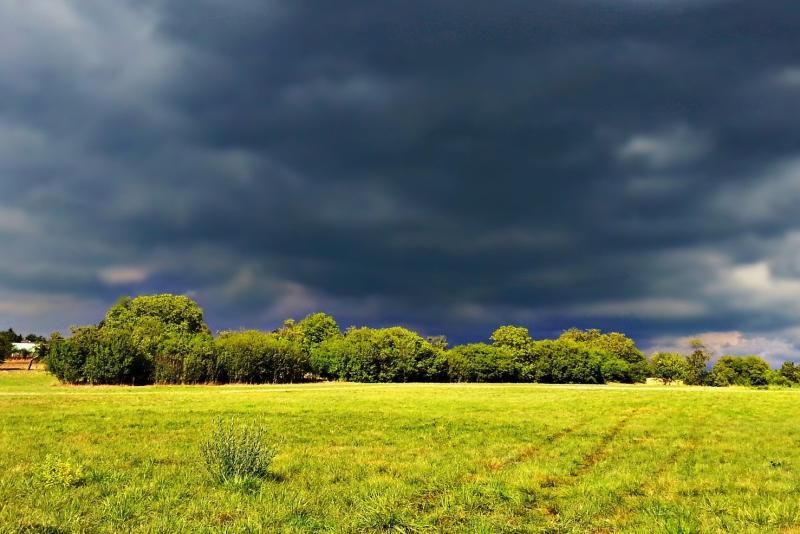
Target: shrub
x,y
186,359
479,362
93,355
54,472
257,357
775,378
236,451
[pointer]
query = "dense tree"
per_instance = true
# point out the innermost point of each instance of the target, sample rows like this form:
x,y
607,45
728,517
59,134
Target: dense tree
x,y
174,313
563,361
514,338
791,372
258,357
479,362
740,371
669,366
11,336
162,338
619,346
393,354
316,328
93,355
5,348
697,364
187,359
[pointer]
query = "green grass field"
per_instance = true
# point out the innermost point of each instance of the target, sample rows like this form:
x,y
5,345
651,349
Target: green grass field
x,y
439,458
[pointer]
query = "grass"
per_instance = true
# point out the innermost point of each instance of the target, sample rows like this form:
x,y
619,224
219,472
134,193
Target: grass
x,y
438,458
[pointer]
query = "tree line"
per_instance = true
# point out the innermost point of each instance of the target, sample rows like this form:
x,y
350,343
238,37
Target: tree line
x,y
164,339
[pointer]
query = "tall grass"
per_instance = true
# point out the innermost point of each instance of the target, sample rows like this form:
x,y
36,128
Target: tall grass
x,y
237,451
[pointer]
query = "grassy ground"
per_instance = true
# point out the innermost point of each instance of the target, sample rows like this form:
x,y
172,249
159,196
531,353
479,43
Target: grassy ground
x,y
447,458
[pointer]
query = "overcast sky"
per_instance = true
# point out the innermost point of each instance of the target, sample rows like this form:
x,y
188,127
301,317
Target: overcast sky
x,y
446,165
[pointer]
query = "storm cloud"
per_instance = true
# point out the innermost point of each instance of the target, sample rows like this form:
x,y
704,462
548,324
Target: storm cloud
x,y
450,166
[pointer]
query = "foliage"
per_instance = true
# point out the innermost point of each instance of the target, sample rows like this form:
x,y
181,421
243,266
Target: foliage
x,y
235,451
6,348
697,364
187,359
740,371
55,472
393,354
669,366
93,355
479,362
775,378
162,338
252,357
791,372
316,328
175,313
619,346
514,338
563,361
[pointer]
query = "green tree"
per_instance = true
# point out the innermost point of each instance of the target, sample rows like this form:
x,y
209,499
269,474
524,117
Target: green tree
x,y
514,338
6,347
669,366
561,361
479,362
697,364
393,354
316,328
257,357
740,371
791,372
619,346
173,313
93,355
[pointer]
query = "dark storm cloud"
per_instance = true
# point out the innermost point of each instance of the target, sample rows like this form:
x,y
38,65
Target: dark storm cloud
x,y
447,165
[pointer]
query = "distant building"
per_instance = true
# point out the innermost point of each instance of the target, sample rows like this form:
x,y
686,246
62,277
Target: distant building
x,y
25,346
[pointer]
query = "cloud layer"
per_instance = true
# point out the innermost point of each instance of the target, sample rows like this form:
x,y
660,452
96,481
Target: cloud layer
x,y
449,166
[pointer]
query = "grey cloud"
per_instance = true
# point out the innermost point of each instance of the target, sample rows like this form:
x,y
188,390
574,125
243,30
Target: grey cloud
x,y
448,165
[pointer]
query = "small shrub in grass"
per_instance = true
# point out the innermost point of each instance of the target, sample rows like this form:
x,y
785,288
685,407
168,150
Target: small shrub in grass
x,y
238,452
54,472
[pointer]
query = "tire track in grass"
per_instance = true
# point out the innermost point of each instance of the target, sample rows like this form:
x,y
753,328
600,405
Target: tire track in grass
x,y
651,484
549,505
428,498
600,451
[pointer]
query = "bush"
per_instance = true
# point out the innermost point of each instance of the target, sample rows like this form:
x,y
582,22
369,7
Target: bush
x,y
775,378
235,452
186,359
257,357
54,472
94,355
379,355
479,362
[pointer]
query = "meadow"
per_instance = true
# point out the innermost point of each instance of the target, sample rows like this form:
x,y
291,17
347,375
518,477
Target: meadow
x,y
405,458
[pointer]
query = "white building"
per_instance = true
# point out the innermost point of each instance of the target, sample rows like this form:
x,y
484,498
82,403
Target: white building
x,y
24,346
